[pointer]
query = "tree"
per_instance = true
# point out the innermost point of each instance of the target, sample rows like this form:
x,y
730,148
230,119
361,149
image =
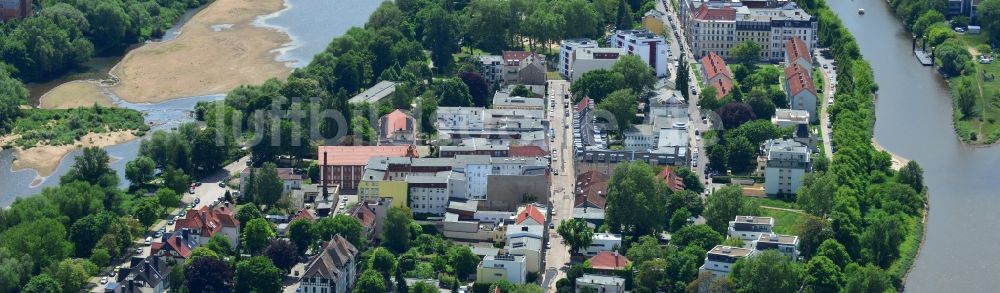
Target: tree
x,y
147,211
370,281
344,225
966,96
822,275
207,151
834,251
698,235
813,231
576,233
746,53
176,180
646,249
988,15
269,185
12,96
246,213
423,287
488,24
463,260
256,235
597,84
816,195
683,79
723,206
954,57
43,283
257,274
72,273
478,89
710,99
868,278
639,77
283,254
911,174
636,200
881,239
651,275
176,277
363,131
100,257
735,114
622,105
300,232
925,21
441,32
206,274
219,243
761,103
767,271
679,219
452,92
521,91
691,180
381,260
742,155
168,198
717,158
140,170
396,230
92,167
624,18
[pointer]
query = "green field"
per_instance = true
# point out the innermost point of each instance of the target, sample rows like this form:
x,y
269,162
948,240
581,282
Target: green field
x,y
784,221
981,128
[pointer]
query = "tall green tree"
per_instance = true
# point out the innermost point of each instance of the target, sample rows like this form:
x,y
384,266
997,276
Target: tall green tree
x,y
622,105
597,84
301,233
463,260
965,97
43,283
147,211
140,170
256,235
724,205
816,195
576,233
246,213
868,278
168,198
767,271
441,35
636,200
269,185
698,235
370,281
257,274
742,155
453,92
746,53
639,77
282,253
822,275
396,230
92,167
813,232
911,174
344,225
488,24
683,79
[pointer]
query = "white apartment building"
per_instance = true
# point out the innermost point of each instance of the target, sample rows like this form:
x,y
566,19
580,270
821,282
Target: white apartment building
x,y
717,26
749,228
585,60
790,118
530,248
651,48
787,162
787,245
712,29
600,283
603,242
720,260
566,50
502,267
430,194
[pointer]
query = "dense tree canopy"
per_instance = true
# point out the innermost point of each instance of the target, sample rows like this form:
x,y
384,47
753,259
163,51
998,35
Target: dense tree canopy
x,y
636,200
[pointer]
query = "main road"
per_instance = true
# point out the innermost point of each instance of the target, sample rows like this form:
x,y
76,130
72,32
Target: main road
x,y
564,175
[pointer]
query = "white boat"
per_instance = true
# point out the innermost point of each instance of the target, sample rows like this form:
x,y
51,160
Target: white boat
x,y
861,11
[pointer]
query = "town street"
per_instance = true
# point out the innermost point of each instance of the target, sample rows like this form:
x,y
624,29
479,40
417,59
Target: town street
x,y
561,197
829,82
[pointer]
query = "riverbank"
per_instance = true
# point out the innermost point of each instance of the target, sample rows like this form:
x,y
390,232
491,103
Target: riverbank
x,y
44,159
897,160
74,94
220,48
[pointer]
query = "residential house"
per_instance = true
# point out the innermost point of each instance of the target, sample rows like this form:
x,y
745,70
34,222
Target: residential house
x,y
603,242
720,260
468,228
502,267
474,146
801,91
333,270
651,48
491,67
673,181
397,128
530,215
715,73
566,51
787,163
522,67
344,165
787,245
204,223
710,30
749,228
609,261
586,59
790,118
517,230
14,9
600,283
797,52
503,100
176,245
528,247
379,92
145,275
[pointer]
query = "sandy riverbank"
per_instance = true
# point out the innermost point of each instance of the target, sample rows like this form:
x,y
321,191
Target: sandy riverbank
x,y
45,159
897,160
75,94
209,57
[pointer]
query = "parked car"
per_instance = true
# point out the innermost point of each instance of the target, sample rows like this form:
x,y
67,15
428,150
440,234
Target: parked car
x,y
104,280
149,240
170,222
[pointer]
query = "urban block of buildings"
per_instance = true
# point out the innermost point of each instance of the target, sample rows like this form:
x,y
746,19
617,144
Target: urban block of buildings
x,y
514,67
787,163
651,48
717,26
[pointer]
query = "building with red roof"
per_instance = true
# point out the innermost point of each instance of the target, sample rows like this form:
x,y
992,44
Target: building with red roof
x,y
526,151
670,177
344,165
397,128
609,261
177,245
716,73
303,214
797,52
200,225
530,215
801,91
523,67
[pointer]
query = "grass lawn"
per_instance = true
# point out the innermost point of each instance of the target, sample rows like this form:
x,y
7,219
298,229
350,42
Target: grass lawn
x,y
775,202
784,221
553,75
981,128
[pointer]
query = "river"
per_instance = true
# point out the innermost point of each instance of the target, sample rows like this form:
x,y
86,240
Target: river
x,y
914,120
310,23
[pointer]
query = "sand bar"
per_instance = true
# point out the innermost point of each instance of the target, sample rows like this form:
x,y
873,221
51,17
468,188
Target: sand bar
x,y
45,159
75,94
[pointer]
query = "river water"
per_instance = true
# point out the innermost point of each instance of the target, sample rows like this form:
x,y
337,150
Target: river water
x,y
914,120
310,23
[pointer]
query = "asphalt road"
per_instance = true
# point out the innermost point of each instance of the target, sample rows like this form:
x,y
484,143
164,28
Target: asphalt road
x,y
561,119
829,82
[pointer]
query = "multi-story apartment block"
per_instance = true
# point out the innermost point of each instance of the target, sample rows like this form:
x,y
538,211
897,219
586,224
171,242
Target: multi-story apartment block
x,y
717,26
566,51
720,260
651,48
14,9
333,270
502,267
789,118
492,68
522,67
749,228
603,242
589,59
787,162
716,73
797,52
801,91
